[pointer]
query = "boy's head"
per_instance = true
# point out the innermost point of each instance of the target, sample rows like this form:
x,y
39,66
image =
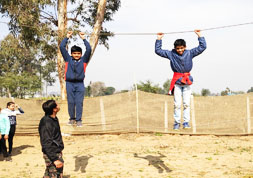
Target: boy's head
x,y
50,107
180,46
76,52
11,105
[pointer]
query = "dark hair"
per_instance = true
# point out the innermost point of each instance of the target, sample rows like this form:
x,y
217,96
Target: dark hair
x,y
10,103
49,106
179,42
76,49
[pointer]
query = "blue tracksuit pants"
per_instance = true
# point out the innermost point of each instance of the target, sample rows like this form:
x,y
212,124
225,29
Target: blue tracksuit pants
x,y
75,95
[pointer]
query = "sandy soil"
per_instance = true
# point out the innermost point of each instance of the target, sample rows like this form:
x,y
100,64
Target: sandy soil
x,y
133,155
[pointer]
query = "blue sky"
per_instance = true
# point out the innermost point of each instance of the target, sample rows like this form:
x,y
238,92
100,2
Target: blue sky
x,y
227,61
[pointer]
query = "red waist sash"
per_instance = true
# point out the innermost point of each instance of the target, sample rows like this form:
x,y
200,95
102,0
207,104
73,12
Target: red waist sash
x,y
176,76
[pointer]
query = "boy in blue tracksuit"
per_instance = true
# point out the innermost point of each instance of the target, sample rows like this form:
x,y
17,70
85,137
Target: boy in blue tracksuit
x,y
181,64
75,66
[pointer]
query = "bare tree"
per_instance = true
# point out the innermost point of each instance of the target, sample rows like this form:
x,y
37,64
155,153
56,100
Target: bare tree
x,y
97,89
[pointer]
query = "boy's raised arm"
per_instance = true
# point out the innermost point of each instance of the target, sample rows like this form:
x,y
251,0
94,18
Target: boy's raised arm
x,y
202,44
87,53
63,45
158,47
20,110
198,32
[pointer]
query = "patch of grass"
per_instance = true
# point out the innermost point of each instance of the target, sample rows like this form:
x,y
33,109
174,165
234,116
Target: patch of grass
x,y
248,176
158,134
248,149
209,158
216,153
230,149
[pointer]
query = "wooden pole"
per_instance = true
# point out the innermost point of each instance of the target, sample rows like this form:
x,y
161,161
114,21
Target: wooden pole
x,y
166,117
137,107
103,122
248,116
193,115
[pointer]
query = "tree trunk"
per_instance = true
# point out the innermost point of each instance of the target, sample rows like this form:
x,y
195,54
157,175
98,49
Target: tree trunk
x,y
98,25
62,26
9,93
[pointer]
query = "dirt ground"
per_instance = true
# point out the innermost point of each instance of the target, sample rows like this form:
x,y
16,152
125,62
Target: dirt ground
x,y
138,155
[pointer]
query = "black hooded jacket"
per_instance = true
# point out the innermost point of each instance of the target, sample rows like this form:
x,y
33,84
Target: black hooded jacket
x,y
50,137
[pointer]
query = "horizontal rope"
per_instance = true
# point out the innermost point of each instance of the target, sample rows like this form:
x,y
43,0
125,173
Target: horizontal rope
x,y
166,33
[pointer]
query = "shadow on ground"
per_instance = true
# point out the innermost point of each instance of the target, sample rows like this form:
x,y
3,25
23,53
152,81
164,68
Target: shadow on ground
x,y
18,150
81,162
155,161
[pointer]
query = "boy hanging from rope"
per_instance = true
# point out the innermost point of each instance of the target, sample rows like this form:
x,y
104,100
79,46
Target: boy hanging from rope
x,y
75,66
181,64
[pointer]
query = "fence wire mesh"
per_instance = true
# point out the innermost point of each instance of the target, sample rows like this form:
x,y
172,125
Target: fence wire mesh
x,y
145,112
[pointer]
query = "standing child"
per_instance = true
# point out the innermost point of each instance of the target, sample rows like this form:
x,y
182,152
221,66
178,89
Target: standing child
x,y
11,113
4,132
75,66
181,64
51,140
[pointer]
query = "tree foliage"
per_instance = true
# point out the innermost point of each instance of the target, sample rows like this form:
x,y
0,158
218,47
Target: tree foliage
x,y
166,86
24,68
227,91
36,19
109,91
250,90
35,23
205,92
148,86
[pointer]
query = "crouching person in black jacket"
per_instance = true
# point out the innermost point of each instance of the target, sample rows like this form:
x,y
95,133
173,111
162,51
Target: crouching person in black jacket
x,y
51,140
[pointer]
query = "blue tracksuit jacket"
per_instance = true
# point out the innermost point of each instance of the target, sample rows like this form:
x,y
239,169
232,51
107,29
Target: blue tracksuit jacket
x,y
75,70
181,63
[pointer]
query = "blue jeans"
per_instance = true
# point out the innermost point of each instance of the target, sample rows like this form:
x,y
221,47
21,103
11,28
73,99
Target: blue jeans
x,y
179,91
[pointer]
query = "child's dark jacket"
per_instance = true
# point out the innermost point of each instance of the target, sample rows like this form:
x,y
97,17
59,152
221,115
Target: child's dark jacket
x,y
75,70
181,63
50,137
